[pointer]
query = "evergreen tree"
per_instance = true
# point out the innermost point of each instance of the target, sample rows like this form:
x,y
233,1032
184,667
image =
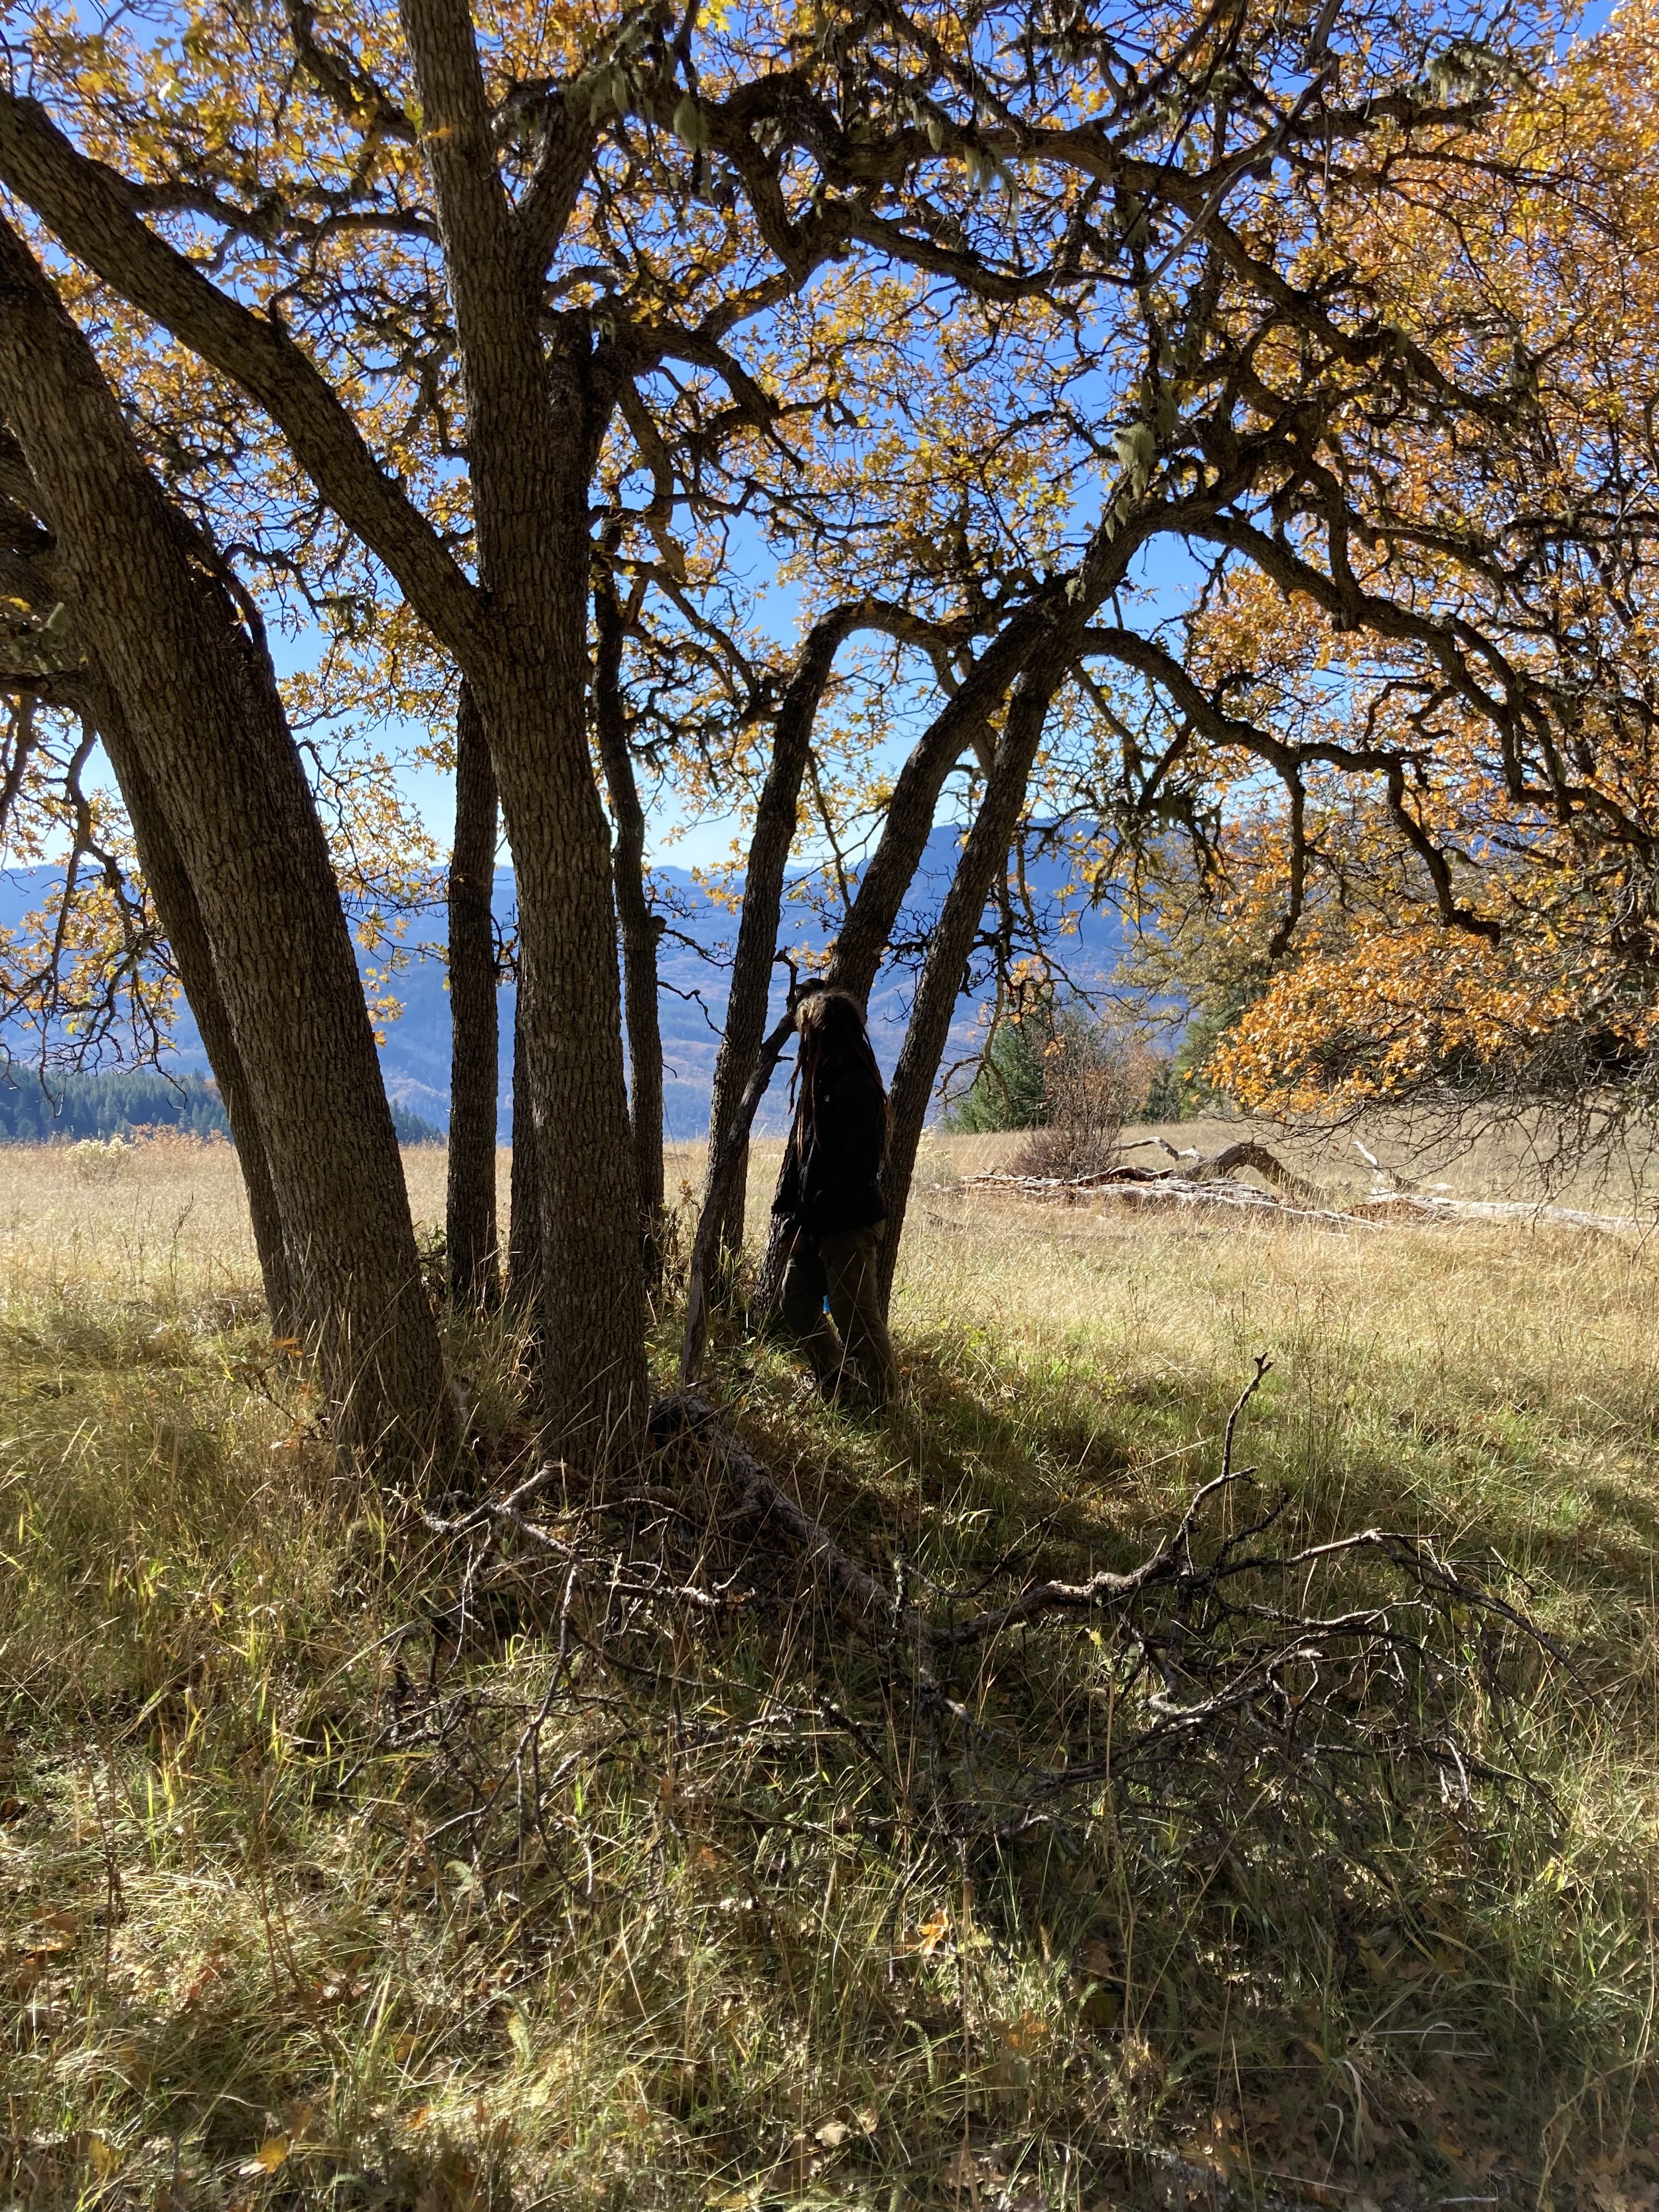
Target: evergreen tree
x,y
1007,1093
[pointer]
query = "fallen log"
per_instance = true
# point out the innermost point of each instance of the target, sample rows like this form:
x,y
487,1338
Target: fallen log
x,y
1211,1182
1411,1205
1220,1167
1208,1182
1247,1154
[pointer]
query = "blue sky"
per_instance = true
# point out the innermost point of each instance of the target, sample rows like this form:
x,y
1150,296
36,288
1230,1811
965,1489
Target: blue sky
x,y
1164,576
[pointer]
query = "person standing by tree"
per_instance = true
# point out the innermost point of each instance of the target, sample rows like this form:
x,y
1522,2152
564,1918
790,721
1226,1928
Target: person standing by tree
x,y
831,1197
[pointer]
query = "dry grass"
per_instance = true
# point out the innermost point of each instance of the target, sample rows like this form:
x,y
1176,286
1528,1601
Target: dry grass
x,y
257,1950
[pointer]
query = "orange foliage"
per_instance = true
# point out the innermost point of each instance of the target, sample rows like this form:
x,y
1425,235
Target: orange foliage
x,y
1417,1008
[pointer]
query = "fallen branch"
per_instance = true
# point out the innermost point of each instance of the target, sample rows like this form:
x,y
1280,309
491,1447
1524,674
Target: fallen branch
x,y
1218,1650
761,1498
1210,1182
1142,1187
1247,1154
1413,1206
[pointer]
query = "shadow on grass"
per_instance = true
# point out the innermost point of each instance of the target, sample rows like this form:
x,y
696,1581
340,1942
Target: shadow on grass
x,y
619,1910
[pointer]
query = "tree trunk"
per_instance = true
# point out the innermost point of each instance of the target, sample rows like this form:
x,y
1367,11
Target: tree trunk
x,y
962,721
774,834
639,926
951,944
36,577
524,1249
725,1166
909,821
180,914
536,414
474,1264
208,730
592,1371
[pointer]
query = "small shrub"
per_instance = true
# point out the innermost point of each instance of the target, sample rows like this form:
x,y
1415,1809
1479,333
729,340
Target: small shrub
x,y
1073,1079
1007,1092
1095,1078
99,1160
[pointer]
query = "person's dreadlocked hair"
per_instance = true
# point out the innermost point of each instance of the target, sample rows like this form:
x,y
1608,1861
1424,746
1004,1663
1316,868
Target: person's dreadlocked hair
x,y
830,1026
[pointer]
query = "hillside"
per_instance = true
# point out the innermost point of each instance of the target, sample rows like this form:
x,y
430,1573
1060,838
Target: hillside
x,y
125,1101
694,961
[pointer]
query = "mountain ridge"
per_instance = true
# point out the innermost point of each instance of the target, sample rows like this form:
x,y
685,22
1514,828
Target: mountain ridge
x,y
694,963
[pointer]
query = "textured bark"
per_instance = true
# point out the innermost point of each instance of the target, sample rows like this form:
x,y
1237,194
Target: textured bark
x,y
532,419
775,815
961,722
33,573
952,943
524,1249
208,728
180,914
94,214
469,1213
535,422
639,929
726,1165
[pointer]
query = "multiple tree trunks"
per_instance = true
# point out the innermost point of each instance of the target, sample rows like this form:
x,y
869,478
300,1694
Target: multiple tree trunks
x,y
469,1213
209,732
538,399
776,814
536,412
755,956
639,926
961,722
531,421
33,574
1259,365
592,1299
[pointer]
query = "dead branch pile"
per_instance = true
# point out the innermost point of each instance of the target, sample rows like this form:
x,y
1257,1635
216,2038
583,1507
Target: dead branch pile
x,y
1196,1182
1202,1182
1347,1668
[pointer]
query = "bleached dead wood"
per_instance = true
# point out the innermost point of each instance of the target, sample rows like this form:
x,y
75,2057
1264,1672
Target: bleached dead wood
x,y
1410,1205
1248,1155
1212,1182
1206,1182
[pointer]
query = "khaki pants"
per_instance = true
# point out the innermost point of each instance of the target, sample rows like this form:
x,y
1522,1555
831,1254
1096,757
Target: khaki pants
x,y
853,1332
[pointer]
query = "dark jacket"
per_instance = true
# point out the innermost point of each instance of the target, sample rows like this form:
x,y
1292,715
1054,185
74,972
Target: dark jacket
x,y
833,1185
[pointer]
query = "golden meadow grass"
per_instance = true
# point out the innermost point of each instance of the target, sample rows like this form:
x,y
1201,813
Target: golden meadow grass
x,y
260,1945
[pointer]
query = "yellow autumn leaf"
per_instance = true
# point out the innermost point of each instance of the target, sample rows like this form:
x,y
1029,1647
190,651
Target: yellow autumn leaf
x,y
271,2154
925,1939
103,2157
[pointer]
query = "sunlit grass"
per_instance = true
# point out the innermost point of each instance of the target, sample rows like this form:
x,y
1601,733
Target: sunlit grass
x,y
259,1942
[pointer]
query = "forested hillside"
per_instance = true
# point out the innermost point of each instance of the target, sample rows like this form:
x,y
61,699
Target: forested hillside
x,y
694,969
118,1102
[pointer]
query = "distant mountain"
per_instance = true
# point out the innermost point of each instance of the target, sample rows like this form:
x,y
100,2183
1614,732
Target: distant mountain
x,y
694,963
118,1102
